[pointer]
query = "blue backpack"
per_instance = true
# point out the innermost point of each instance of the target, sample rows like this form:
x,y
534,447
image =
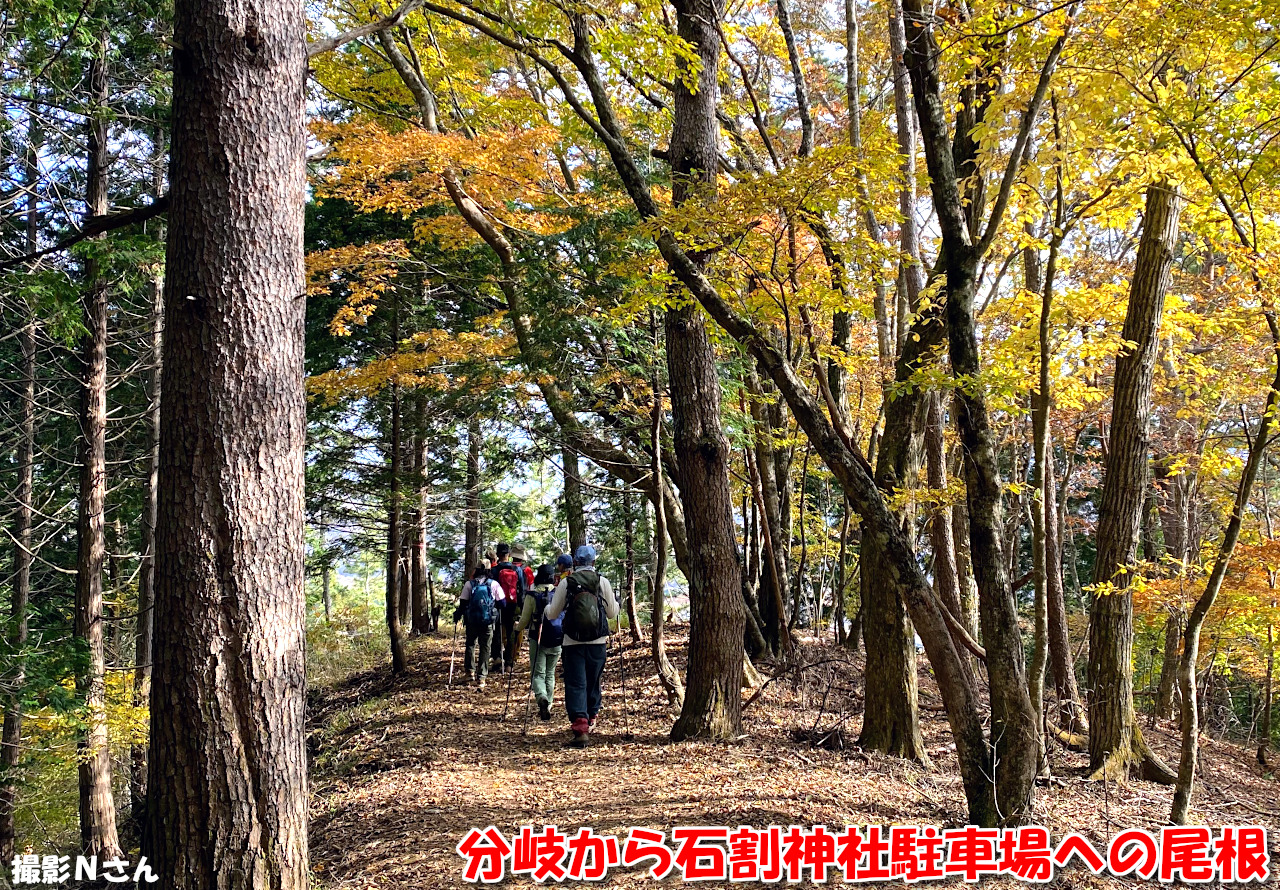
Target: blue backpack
x,y
480,606
551,633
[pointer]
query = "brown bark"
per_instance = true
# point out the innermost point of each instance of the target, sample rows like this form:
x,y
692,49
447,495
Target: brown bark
x,y
575,519
1167,695
774,574
629,546
668,676
1115,740
1043,516
946,576
228,778
396,602
717,615
1268,697
97,803
20,584
145,626
1071,711
420,569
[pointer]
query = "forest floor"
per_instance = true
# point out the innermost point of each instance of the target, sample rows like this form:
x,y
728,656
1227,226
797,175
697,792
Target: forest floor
x,y
402,769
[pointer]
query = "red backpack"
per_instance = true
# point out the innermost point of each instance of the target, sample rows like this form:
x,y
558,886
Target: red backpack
x,y
510,580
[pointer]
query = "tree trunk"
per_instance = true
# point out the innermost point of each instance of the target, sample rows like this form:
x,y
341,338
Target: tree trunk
x,y
395,602
472,520
629,542
717,615
574,516
418,557
1115,740
1043,516
326,593
228,776
97,802
146,575
946,577
1167,694
1268,697
774,575
1013,729
20,585
1071,713
667,673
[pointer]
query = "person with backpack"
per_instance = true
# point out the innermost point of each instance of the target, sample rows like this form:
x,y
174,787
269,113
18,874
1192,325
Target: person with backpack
x,y
513,584
545,639
585,602
478,609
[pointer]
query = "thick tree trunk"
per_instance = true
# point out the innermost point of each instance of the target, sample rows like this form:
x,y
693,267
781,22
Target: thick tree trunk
x,y
891,721
97,802
20,583
228,776
575,519
1115,740
717,615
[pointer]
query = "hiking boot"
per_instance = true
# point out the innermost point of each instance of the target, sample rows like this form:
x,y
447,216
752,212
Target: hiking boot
x,y
579,740
544,711
480,684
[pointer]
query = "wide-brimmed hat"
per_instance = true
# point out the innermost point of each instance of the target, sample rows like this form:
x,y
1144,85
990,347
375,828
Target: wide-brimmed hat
x,y
517,552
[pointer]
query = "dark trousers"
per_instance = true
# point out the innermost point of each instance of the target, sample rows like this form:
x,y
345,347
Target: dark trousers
x,y
504,635
583,670
479,637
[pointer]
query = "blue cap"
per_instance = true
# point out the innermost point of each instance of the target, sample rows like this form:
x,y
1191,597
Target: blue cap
x,y
564,561
584,555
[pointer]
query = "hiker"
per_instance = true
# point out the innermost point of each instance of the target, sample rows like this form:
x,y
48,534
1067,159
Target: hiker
x,y
545,638
586,601
476,606
520,559
513,583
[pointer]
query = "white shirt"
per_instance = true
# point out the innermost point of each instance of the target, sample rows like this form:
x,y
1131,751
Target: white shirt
x,y
495,590
556,606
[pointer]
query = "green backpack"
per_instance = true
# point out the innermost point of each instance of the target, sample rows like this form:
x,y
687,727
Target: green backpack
x,y
584,615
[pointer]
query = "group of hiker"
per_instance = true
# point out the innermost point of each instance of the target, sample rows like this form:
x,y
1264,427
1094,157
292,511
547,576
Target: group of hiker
x,y
565,607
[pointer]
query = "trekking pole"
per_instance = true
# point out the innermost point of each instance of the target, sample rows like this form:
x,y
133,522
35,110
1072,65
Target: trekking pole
x,y
626,713
511,672
453,652
524,730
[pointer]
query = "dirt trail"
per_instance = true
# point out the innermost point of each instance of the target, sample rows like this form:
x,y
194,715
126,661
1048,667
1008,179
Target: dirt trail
x,y
400,771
